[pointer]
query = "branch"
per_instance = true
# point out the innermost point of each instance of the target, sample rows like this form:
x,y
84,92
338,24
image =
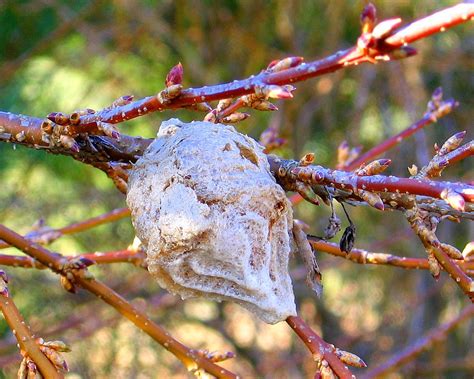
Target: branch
x,y
289,172
377,43
382,47
48,235
437,108
321,350
22,333
56,262
362,256
411,352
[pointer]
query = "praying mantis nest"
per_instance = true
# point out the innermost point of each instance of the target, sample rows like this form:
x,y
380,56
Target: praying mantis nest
x,y
214,222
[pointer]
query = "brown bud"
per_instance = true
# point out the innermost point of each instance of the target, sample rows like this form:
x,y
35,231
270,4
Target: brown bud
x,y
454,199
350,359
55,357
273,92
413,170
69,143
264,106
373,168
307,193
452,143
326,370
285,64
451,251
434,266
67,284
211,116
307,159
109,130
468,252
58,346
58,118
47,127
372,199
342,153
23,370
235,117
121,101
223,104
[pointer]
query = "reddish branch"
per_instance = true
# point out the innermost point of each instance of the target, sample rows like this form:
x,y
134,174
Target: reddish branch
x,y
56,262
366,257
424,343
49,235
422,28
371,46
455,272
22,333
320,349
289,171
440,109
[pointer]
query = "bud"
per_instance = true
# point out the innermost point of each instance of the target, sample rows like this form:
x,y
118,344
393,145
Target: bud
x,y
58,118
74,118
468,252
386,28
264,106
454,199
307,159
326,370
413,170
452,143
372,199
307,193
67,284
350,359
451,251
373,168
47,127
56,358
121,101
285,64
58,346
109,130
175,75
223,104
368,18
274,91
342,153
433,264
69,143
235,117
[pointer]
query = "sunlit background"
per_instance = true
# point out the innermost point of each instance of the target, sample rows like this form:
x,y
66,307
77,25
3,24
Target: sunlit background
x,y
62,55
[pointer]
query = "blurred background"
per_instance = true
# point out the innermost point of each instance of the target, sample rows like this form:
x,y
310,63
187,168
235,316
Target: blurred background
x,y
59,55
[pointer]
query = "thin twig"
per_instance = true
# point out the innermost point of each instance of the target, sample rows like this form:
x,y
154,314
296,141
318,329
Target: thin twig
x,y
76,227
320,349
411,352
366,257
56,262
23,335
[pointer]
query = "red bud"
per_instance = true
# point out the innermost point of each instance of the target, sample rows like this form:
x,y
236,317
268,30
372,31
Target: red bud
x,y
175,76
